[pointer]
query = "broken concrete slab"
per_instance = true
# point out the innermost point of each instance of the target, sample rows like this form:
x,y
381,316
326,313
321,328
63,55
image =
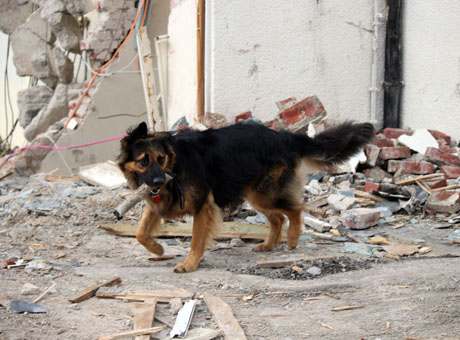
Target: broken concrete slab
x,y
66,29
29,38
14,13
341,202
361,218
41,67
62,66
56,109
419,141
105,174
31,101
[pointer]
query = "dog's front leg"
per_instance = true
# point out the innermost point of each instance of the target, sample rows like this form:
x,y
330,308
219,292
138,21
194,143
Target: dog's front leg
x,y
150,221
205,222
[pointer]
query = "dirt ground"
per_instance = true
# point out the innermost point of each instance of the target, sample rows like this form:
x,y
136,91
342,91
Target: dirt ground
x,y
55,223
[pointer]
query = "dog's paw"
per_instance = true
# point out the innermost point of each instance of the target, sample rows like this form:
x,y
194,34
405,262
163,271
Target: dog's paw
x,y
261,247
186,266
157,249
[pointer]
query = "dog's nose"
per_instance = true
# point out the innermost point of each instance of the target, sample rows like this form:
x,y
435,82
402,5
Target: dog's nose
x,y
157,182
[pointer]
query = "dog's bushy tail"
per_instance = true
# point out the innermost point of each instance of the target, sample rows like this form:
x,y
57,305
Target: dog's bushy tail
x,y
337,144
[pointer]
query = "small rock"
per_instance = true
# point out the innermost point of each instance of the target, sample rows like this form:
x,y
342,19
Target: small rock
x,y
454,237
237,242
29,289
359,248
257,219
314,271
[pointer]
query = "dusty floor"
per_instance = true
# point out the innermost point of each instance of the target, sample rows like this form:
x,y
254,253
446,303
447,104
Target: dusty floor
x,y
415,298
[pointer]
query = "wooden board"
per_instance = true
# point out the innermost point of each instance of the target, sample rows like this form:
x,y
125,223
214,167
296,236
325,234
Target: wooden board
x,y
161,295
151,330
224,317
228,230
143,314
91,291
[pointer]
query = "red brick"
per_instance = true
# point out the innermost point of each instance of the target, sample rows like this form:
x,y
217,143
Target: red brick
x,y
395,133
286,103
441,183
396,152
451,171
243,116
275,124
372,153
441,135
360,218
309,108
436,155
376,174
411,167
381,141
443,202
371,187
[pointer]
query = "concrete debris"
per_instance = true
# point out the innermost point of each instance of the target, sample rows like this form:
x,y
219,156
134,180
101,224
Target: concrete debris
x,y
341,201
419,141
31,101
215,120
444,202
13,14
360,249
361,218
105,174
454,237
41,67
56,109
29,289
62,66
316,224
28,40
66,29
107,28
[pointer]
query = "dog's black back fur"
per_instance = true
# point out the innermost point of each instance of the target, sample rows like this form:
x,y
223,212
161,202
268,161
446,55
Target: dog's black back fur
x,y
227,160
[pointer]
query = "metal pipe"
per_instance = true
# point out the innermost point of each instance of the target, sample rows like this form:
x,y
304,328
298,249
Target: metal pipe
x,y
200,45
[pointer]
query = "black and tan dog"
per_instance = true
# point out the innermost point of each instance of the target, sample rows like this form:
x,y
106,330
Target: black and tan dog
x,y
215,168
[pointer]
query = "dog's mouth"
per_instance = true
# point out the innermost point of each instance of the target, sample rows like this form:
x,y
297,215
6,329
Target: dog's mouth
x,y
155,192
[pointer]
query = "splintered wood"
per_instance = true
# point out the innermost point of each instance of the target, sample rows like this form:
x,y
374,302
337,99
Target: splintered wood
x,y
224,317
91,291
143,315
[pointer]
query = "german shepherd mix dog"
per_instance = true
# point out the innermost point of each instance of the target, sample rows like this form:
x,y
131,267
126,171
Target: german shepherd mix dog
x,y
217,168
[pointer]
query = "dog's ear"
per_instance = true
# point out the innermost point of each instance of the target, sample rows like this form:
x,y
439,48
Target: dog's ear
x,y
140,131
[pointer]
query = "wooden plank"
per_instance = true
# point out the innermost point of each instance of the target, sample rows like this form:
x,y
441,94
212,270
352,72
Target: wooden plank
x,y
224,317
161,295
280,262
228,230
91,291
151,330
413,180
200,59
143,314
202,334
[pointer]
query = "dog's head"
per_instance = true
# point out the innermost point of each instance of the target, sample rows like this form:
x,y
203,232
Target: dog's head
x,y
146,157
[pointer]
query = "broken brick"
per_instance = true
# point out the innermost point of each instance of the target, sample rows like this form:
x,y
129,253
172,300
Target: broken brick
x,y
360,218
372,152
436,155
411,167
396,152
451,172
371,187
286,103
443,202
243,116
441,136
395,132
300,114
376,174
381,141
441,183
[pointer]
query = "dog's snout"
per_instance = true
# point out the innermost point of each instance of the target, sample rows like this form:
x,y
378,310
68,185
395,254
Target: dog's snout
x,y
158,181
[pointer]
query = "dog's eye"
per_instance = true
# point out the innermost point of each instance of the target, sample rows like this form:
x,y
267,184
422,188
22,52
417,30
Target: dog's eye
x,y
161,160
145,161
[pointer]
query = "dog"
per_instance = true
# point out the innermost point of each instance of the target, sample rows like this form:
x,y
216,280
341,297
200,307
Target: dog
x,y
199,173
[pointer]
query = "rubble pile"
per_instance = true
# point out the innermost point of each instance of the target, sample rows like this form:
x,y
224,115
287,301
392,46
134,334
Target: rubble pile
x,y
46,36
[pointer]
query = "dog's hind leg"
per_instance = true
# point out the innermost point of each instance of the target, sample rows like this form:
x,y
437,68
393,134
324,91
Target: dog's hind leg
x,y
295,227
149,222
205,223
274,237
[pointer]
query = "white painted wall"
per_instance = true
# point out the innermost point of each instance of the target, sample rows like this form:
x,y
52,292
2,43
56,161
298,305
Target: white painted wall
x,y
182,60
431,64
262,51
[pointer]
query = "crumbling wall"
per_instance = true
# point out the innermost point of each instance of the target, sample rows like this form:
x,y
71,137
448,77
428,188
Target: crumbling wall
x,y
45,36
